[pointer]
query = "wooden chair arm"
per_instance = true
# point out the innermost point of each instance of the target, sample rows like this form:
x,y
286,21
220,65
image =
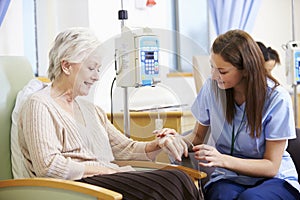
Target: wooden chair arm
x,y
73,186
194,174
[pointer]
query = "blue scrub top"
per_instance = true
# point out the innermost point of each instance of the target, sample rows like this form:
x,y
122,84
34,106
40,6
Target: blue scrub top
x,y
277,123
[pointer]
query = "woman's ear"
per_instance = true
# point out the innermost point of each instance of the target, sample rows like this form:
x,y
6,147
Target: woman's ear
x,y
65,66
245,74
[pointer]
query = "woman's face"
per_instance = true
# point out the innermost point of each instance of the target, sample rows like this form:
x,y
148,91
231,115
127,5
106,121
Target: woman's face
x,y
269,65
226,75
86,74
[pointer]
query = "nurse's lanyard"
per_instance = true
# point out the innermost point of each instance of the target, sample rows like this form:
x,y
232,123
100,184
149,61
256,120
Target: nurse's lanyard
x,y
234,136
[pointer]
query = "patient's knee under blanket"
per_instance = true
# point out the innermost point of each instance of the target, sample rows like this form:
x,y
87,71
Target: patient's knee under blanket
x,y
156,184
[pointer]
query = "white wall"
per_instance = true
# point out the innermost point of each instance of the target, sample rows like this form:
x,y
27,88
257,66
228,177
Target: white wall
x,y
11,30
53,17
273,27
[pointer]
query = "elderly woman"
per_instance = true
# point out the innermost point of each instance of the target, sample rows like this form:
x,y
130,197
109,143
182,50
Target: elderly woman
x,y
66,137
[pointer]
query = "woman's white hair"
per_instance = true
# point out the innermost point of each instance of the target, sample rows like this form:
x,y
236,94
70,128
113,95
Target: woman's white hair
x,y
73,45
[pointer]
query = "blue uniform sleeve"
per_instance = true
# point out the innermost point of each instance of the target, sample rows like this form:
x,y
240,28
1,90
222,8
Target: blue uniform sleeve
x,y
279,123
201,106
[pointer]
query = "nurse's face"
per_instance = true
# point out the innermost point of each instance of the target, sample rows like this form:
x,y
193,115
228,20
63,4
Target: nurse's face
x,y
226,75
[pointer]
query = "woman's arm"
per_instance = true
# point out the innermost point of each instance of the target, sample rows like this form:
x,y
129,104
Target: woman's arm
x,y
96,170
125,148
40,143
268,166
175,144
50,150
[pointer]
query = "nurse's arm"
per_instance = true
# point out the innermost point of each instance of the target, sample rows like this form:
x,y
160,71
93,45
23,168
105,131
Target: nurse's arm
x,y
198,134
268,166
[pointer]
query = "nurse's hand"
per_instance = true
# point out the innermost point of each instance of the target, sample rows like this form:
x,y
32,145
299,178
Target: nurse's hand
x,y
172,143
210,156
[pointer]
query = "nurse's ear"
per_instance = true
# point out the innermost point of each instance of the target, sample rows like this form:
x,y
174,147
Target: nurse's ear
x,y
65,66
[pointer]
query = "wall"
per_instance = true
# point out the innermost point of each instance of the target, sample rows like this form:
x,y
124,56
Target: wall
x,y
273,26
54,16
11,30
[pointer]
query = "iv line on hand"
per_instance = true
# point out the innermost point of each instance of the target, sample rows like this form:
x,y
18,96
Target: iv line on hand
x,y
158,120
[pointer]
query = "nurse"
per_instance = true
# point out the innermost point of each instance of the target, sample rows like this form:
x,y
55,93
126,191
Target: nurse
x,y
271,56
250,119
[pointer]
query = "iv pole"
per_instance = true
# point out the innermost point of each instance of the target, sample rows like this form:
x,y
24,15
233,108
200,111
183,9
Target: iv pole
x,y
122,16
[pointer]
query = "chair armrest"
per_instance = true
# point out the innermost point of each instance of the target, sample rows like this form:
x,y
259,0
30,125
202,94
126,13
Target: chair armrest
x,y
58,185
194,174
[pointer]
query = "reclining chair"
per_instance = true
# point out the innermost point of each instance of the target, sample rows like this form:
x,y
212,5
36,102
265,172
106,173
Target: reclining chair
x,y
15,73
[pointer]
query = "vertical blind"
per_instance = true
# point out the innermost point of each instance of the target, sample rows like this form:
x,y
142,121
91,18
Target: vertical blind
x,y
3,8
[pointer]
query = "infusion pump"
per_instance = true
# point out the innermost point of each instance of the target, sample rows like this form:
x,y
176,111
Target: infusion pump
x,y
137,58
293,62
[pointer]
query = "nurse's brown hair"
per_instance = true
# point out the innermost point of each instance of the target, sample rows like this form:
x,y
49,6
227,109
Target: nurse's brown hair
x,y
238,48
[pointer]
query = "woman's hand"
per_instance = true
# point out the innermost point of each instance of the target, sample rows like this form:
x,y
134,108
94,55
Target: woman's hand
x,y
172,143
210,156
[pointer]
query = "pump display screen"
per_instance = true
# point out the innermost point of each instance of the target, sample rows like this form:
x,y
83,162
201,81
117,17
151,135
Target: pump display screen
x,y
149,55
148,61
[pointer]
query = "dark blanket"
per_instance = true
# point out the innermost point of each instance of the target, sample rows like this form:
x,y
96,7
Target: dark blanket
x,y
156,184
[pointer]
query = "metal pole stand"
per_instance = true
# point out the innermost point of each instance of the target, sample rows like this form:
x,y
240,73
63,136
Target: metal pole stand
x,y
126,113
295,104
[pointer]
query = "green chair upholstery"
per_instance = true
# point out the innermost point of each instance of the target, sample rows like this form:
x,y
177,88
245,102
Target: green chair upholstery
x,y
15,73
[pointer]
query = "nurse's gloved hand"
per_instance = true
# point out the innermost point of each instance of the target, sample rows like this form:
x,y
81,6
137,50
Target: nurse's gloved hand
x,y
172,143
